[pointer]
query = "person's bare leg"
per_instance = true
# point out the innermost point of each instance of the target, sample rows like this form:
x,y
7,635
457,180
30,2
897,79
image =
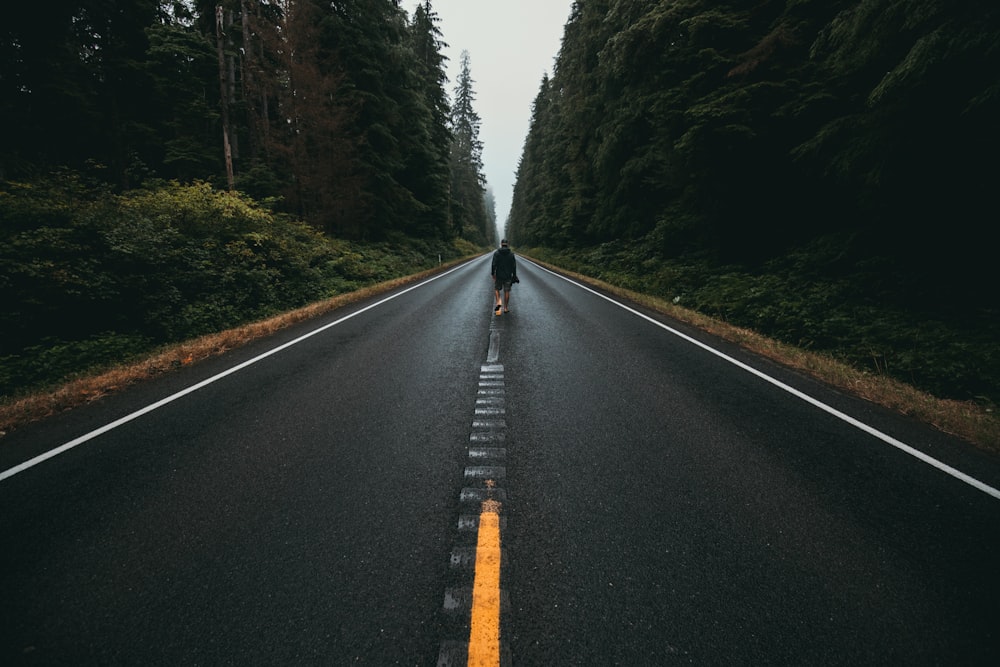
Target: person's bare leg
x,y
506,300
498,305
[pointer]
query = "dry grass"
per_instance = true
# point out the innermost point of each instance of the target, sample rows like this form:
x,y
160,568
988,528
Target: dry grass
x,y
965,420
77,392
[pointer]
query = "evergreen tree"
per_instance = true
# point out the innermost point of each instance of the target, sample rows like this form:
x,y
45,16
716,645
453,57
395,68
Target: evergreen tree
x,y
181,69
541,183
526,224
72,84
434,179
743,128
467,182
310,122
347,99
490,206
390,125
337,108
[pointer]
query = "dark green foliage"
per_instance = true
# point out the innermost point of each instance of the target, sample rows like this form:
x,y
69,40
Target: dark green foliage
x,y
469,216
762,124
337,110
752,134
161,264
181,68
337,116
88,277
431,174
819,298
365,44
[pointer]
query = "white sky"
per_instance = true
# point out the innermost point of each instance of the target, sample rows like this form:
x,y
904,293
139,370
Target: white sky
x,y
511,44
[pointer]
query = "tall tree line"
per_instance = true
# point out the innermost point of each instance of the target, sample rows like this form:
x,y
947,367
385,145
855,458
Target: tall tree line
x,y
741,128
337,109
468,194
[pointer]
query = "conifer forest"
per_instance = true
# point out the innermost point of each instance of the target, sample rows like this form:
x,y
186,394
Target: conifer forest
x,y
821,171
170,168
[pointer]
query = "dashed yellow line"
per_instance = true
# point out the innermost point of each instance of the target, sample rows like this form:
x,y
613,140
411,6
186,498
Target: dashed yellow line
x,y
484,638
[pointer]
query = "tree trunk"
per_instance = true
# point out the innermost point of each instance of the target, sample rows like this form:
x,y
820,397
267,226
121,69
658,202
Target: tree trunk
x,y
224,98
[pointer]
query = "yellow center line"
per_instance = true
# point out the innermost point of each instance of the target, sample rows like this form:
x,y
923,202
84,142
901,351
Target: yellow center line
x,y
484,638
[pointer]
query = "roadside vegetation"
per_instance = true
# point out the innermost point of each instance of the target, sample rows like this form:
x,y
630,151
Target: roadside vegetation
x,y
815,172
93,280
943,373
345,167
809,177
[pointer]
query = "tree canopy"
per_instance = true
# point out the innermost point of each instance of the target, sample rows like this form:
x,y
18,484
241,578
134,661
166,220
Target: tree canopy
x,y
743,128
468,201
335,111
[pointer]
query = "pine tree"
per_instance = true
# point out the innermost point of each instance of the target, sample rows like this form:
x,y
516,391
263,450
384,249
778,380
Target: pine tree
x,y
180,67
467,181
427,43
490,206
530,222
72,84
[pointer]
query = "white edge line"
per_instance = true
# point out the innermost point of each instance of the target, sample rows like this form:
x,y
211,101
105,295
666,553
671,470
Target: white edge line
x,y
10,472
943,467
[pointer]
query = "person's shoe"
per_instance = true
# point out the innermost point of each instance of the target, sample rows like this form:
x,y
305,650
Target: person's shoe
x,y
506,310
497,310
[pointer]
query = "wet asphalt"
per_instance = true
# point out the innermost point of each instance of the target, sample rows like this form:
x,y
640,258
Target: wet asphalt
x,y
660,505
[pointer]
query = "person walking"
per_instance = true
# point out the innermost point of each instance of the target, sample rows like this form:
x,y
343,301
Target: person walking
x,y
504,273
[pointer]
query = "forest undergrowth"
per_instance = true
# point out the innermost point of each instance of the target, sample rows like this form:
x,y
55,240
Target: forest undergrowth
x,y
842,326
93,281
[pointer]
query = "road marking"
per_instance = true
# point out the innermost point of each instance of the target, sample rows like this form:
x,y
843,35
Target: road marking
x,y
485,601
489,423
487,436
498,453
484,636
478,495
469,523
494,351
493,401
464,559
488,473
41,458
870,430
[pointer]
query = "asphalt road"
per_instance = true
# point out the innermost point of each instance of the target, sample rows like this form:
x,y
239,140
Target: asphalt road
x,y
661,504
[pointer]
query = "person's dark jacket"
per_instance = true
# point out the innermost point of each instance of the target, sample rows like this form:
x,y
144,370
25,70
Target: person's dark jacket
x,y
504,266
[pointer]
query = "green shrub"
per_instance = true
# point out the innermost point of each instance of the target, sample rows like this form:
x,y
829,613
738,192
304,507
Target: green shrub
x,y
818,298
89,278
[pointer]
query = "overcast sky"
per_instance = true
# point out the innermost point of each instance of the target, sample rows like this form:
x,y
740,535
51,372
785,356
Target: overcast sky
x,y
511,44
